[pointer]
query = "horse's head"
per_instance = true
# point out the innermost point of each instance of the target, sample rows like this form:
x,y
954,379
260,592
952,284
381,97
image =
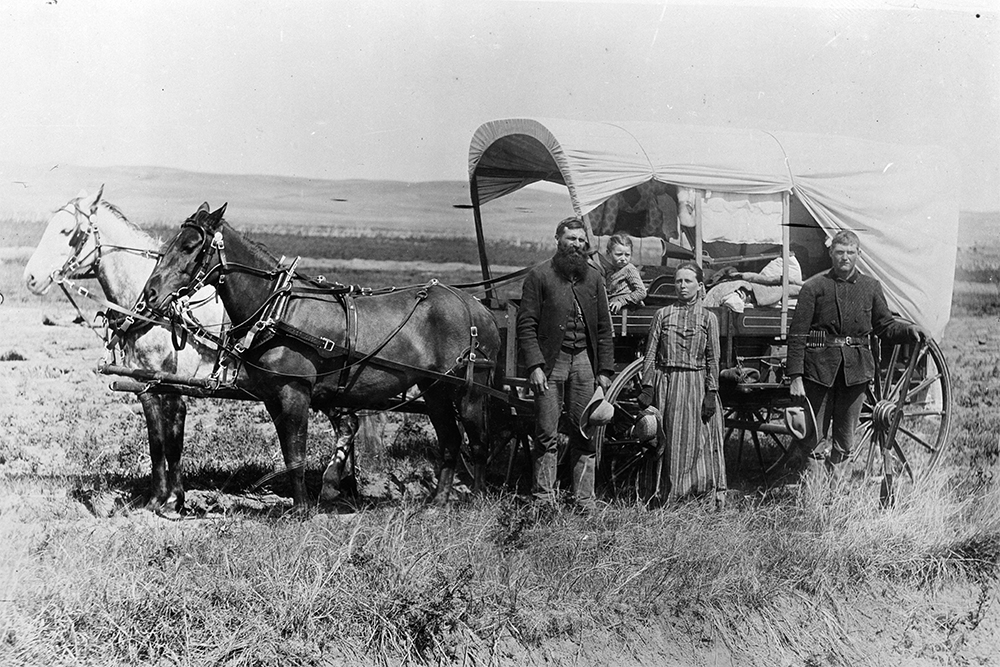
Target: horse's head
x,y
69,246
189,261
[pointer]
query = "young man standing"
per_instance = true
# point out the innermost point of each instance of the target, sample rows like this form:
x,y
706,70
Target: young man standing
x,y
829,359
564,332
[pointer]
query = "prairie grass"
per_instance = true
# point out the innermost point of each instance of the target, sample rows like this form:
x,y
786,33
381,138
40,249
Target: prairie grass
x,y
402,584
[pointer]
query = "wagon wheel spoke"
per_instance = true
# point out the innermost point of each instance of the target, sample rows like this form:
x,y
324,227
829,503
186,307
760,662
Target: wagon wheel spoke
x,y
930,449
897,386
902,459
868,441
891,366
924,413
778,442
629,463
760,457
925,384
739,452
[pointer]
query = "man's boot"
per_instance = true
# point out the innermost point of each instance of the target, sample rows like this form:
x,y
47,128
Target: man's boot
x,y
837,467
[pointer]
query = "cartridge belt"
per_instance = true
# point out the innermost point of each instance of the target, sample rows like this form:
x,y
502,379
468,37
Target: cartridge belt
x,y
826,340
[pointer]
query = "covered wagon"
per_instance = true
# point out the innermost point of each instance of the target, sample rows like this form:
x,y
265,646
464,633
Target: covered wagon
x,y
729,197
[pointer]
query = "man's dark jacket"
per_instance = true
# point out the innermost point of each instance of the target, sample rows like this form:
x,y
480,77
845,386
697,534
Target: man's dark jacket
x,y
546,305
854,306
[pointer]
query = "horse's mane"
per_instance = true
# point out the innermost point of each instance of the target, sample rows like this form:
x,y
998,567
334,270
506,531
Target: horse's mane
x,y
133,227
256,247
118,212
115,210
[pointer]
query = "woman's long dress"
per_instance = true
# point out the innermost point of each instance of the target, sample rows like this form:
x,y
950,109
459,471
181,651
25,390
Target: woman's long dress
x,y
682,363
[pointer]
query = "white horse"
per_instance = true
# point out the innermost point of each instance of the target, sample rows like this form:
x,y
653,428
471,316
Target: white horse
x,y
92,238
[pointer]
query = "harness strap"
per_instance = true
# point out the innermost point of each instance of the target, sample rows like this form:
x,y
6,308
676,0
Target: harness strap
x,y
79,312
350,336
83,291
496,281
277,303
333,349
360,365
470,366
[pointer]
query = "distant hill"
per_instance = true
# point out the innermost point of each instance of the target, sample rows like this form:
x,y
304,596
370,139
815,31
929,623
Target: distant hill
x,y
164,197
159,196
979,229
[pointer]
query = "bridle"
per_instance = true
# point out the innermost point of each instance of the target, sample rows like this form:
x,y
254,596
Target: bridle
x,y
180,310
209,245
84,230
215,245
70,272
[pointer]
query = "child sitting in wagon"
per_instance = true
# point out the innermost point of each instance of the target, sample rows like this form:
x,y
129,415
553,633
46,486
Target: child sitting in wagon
x,y
624,284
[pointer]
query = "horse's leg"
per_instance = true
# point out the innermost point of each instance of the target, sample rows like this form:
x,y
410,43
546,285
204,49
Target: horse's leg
x,y
152,410
346,428
441,410
289,410
472,412
174,416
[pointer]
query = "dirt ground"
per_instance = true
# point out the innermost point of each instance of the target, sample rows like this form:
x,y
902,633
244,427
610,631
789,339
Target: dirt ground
x,y
49,389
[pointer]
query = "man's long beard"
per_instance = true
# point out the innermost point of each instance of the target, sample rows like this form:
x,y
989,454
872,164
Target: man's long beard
x,y
570,264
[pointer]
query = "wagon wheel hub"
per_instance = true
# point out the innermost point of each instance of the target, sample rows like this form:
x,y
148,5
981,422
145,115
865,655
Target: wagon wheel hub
x,y
883,414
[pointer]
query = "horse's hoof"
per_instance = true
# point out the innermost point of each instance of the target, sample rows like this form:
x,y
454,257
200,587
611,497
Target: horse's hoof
x,y
329,494
169,513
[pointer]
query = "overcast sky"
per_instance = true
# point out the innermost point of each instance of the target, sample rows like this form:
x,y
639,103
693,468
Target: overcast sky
x,y
395,90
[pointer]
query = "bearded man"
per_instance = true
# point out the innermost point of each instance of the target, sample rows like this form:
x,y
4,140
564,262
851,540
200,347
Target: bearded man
x,y
564,333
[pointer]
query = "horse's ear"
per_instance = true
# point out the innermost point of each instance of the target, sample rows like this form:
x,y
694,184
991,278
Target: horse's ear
x,y
204,208
215,217
97,200
82,195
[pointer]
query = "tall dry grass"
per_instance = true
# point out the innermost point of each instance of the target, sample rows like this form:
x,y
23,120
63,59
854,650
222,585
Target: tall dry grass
x,y
401,584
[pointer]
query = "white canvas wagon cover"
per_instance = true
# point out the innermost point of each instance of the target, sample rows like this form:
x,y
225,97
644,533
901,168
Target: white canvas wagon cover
x,y
902,201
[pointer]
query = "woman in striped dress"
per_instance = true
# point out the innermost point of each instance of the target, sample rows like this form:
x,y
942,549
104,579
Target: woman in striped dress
x,y
681,378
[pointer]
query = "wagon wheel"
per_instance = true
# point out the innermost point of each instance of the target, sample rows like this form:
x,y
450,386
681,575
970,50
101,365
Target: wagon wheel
x,y
906,416
762,426
625,465
509,441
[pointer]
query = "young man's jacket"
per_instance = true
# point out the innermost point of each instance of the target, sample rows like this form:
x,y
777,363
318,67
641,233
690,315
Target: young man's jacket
x,y
546,305
854,306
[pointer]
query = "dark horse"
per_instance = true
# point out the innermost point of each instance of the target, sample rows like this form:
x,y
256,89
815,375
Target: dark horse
x,y
306,344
